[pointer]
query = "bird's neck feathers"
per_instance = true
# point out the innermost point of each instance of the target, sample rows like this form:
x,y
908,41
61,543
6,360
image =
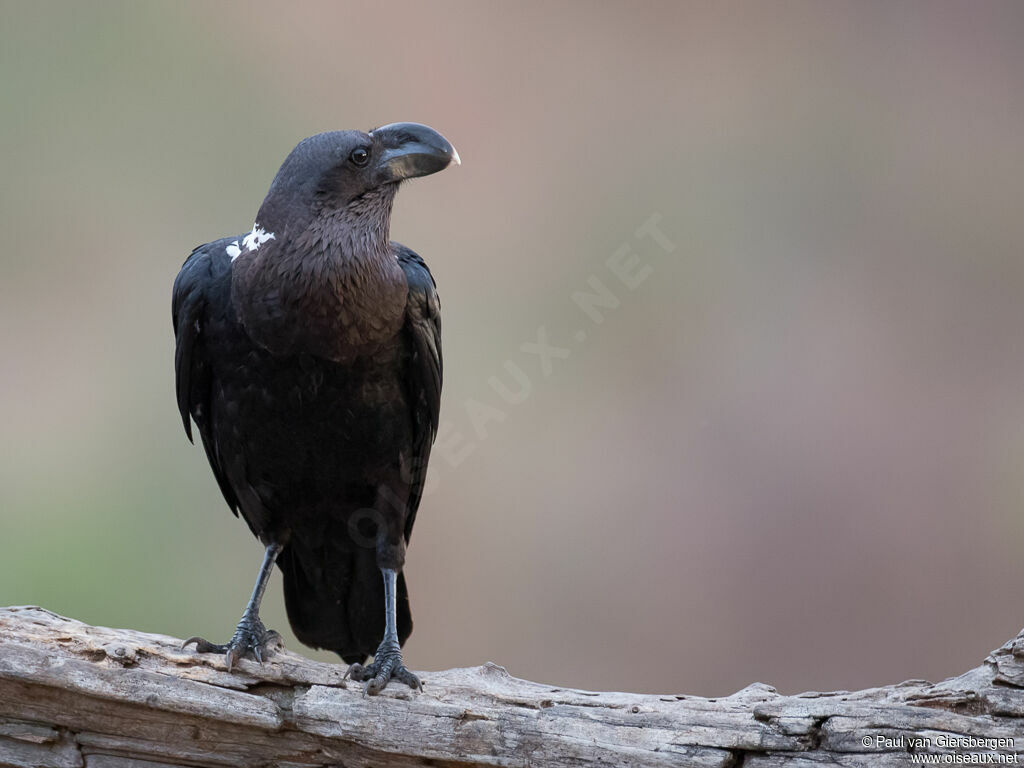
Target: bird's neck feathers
x,y
355,234
346,235
326,284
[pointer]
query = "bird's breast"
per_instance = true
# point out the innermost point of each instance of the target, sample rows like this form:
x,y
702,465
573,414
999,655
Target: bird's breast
x,y
312,432
334,308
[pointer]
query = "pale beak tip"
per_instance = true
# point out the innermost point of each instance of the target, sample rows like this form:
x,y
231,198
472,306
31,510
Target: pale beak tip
x,y
455,157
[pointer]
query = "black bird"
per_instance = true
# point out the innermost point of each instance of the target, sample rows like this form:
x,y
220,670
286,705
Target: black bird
x,y
308,354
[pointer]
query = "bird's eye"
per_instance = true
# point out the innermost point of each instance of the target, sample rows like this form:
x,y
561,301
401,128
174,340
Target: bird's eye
x,y
359,157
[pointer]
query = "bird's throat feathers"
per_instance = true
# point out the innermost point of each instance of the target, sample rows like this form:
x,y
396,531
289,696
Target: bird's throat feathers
x,y
324,281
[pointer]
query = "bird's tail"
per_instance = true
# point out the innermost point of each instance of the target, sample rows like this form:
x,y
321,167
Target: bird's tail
x,y
335,600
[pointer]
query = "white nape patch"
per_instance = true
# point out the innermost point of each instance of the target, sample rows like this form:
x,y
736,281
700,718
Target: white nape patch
x,y
233,250
257,237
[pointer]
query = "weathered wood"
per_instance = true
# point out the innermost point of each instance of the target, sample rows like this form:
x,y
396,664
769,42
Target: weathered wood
x,y
77,696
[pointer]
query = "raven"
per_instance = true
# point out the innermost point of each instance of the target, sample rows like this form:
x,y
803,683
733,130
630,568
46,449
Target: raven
x,y
308,354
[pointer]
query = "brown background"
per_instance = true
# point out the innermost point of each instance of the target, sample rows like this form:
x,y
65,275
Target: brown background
x,y
794,453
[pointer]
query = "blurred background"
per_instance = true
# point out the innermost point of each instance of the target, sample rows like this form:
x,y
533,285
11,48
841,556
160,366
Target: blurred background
x,y
788,448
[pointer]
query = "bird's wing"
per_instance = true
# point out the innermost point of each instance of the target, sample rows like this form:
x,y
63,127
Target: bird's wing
x,y
201,288
423,333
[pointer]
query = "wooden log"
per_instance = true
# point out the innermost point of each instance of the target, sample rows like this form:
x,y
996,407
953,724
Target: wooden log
x,y
73,695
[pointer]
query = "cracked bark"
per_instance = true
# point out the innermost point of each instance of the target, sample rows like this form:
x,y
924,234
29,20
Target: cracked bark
x,y
73,696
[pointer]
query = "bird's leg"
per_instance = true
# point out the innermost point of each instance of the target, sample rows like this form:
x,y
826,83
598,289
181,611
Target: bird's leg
x,y
250,635
387,661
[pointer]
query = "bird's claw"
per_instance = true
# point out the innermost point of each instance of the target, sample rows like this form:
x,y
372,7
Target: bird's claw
x,y
251,637
387,665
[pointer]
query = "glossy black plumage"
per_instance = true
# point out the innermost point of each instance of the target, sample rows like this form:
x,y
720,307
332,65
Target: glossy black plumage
x,y
311,366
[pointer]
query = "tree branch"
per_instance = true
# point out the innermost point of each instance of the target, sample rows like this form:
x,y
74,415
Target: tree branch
x,y
74,695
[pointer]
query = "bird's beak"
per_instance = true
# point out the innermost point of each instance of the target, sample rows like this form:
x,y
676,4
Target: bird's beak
x,y
411,150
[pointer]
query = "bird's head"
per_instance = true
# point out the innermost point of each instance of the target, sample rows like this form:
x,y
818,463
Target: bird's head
x,y
342,169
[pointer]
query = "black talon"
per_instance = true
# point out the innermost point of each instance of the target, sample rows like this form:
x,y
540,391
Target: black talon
x,y
251,637
387,661
387,665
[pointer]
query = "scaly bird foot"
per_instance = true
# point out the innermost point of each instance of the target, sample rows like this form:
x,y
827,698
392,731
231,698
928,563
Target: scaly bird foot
x,y
387,665
251,638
